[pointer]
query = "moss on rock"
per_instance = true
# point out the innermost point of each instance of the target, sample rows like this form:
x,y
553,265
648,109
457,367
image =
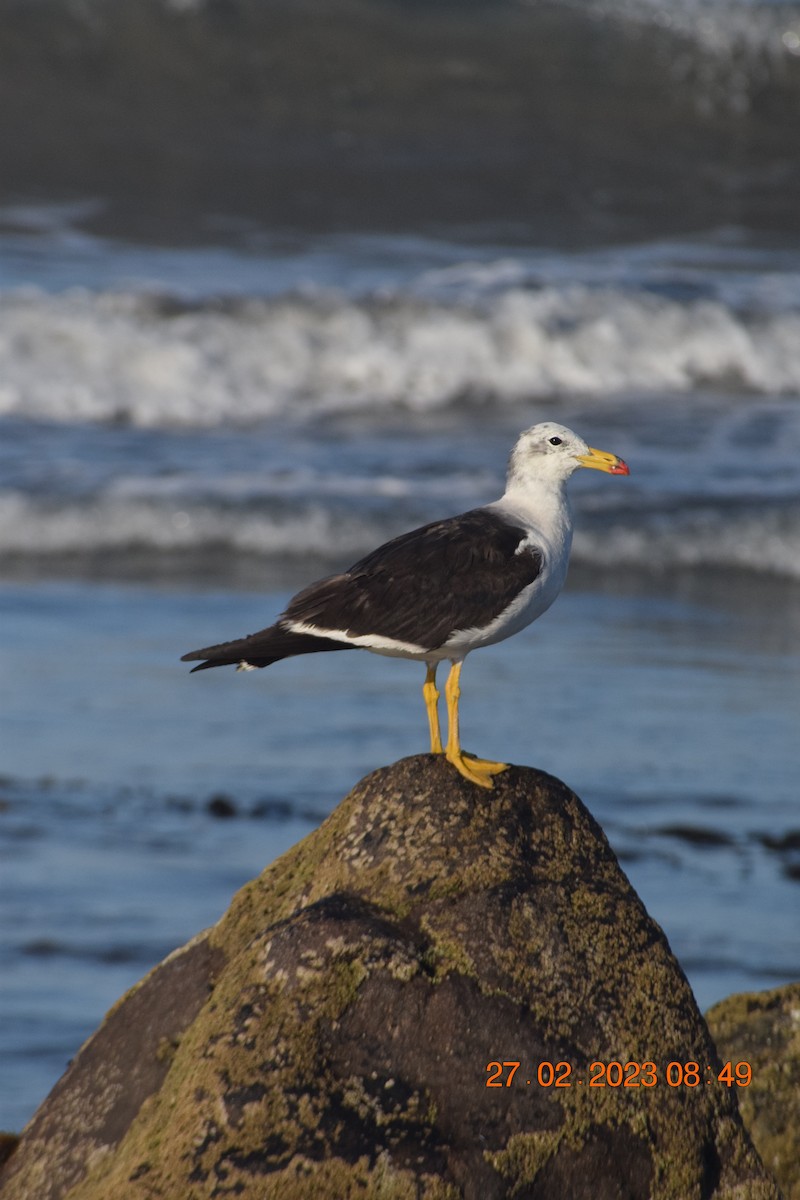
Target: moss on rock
x,y
356,993
763,1029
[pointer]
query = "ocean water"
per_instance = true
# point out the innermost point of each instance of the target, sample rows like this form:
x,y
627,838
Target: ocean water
x,y
312,306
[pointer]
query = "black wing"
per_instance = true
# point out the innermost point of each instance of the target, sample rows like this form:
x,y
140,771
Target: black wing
x,y
420,587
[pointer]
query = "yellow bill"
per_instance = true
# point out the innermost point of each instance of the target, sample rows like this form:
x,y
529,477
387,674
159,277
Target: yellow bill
x,y
601,460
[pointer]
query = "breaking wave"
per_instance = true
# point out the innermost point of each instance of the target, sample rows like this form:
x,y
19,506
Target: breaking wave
x,y
150,361
159,538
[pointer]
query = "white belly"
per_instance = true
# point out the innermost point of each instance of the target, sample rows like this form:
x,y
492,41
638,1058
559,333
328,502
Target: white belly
x,y
525,608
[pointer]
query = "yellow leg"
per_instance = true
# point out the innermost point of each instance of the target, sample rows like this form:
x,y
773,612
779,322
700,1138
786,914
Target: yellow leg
x,y
477,770
431,696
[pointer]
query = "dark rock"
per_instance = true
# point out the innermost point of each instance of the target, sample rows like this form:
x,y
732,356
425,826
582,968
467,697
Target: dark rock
x,y
221,806
787,841
763,1030
362,987
695,835
92,1106
8,1144
787,847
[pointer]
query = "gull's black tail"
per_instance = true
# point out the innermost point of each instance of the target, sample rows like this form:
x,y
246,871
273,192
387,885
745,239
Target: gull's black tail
x,y
261,649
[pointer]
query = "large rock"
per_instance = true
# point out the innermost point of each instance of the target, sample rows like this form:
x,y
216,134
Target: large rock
x,y
333,1035
763,1030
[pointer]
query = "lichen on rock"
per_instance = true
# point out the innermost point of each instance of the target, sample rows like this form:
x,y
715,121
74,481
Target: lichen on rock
x,y
762,1029
355,995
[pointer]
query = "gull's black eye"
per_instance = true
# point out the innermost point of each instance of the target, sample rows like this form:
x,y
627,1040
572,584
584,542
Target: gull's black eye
x,y
555,441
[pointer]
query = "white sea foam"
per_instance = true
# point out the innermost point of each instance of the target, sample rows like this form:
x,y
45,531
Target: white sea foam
x,y
31,531
82,357
766,543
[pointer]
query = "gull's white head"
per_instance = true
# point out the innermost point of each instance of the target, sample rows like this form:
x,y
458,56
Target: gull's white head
x,y
548,453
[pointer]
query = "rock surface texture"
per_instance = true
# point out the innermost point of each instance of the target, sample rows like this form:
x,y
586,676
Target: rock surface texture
x,y
763,1029
331,1036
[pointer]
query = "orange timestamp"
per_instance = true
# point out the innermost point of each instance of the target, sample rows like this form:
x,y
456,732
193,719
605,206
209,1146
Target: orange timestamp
x,y
616,1074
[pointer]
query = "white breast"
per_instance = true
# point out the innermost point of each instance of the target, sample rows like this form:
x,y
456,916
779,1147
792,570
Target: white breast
x,y
548,520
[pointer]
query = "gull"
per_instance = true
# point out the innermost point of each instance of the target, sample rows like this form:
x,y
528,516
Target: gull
x,y
441,591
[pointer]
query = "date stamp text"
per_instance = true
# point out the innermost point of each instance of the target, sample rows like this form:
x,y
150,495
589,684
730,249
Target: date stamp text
x,y
502,1073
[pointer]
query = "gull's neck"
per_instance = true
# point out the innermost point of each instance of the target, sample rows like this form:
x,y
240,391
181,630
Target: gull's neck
x,y
541,505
